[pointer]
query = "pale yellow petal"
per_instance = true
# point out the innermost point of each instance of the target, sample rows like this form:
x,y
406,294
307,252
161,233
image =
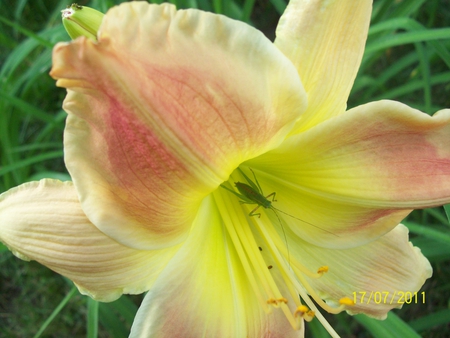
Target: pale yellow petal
x,y
325,40
386,272
43,221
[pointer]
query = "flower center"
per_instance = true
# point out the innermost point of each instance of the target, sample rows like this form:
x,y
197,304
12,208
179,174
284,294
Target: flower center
x,y
264,256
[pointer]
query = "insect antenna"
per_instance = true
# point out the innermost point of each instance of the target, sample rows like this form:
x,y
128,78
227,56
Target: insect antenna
x,y
273,208
284,234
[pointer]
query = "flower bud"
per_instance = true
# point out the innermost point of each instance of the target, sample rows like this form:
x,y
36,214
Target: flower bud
x,y
81,21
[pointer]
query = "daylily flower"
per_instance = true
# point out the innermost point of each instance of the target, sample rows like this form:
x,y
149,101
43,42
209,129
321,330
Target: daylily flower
x,y
168,107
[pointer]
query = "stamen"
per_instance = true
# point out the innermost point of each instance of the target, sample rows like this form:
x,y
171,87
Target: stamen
x,y
322,270
271,301
300,271
254,265
257,271
301,310
313,294
270,235
346,301
305,313
277,302
292,261
271,287
308,316
228,222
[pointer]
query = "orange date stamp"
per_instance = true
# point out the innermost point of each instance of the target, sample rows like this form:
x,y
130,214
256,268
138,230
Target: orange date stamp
x,y
389,297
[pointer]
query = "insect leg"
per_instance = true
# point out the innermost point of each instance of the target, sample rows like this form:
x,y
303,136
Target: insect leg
x,y
273,198
252,213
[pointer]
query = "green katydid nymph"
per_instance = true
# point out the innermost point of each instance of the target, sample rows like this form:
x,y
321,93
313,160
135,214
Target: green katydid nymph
x,y
252,193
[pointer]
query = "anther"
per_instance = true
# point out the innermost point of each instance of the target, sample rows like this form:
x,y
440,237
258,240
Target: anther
x,y
276,302
346,301
304,312
322,270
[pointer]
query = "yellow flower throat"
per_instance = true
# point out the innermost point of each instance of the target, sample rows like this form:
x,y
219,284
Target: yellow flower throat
x,y
259,260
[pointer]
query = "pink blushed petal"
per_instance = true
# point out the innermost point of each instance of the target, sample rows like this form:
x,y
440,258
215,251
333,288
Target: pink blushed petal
x,y
204,291
162,109
325,40
43,221
383,155
384,271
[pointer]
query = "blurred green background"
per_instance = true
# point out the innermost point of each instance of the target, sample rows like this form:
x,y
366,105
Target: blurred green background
x,y
407,59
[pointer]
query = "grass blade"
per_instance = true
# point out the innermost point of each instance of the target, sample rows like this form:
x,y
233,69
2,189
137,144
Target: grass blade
x,y
391,327
57,310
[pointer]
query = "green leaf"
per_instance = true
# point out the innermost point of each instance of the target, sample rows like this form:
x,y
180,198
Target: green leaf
x,y
280,5
112,323
26,108
27,32
317,329
391,327
432,233
31,160
408,37
432,320
447,211
3,248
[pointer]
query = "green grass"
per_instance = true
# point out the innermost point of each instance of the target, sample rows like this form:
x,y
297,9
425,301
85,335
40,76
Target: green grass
x,y
407,59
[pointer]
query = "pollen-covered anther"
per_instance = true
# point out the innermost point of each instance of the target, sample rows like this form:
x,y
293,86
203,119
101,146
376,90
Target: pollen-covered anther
x,y
346,301
304,312
322,270
276,302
